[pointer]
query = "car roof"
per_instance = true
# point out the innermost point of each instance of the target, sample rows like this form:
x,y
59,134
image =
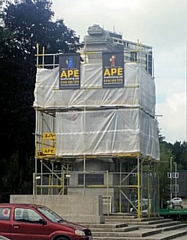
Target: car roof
x,y
20,205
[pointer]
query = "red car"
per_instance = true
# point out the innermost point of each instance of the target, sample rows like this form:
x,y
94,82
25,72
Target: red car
x,y
36,222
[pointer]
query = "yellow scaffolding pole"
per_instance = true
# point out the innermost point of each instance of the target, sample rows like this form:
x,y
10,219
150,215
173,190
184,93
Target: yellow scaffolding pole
x,y
120,202
139,197
148,188
108,210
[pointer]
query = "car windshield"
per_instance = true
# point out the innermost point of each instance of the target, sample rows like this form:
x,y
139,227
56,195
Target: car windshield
x,y
48,213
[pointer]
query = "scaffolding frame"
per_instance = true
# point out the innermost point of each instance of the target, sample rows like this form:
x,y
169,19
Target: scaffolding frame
x,y
56,182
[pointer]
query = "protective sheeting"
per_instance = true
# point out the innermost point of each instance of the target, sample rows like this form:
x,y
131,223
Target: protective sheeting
x,y
138,91
105,132
98,121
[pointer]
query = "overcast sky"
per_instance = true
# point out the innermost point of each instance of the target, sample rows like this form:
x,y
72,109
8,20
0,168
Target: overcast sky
x,y
161,24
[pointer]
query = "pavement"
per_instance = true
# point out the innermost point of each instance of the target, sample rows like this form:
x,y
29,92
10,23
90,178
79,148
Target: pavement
x,y
181,238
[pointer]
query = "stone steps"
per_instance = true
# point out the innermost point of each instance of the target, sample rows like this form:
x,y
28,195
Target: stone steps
x,y
160,236
121,227
137,221
135,233
168,225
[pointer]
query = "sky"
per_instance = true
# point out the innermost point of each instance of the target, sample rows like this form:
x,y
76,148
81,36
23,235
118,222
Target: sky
x,y
161,24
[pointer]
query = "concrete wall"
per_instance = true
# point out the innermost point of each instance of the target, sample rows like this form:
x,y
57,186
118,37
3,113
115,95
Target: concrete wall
x,y
76,208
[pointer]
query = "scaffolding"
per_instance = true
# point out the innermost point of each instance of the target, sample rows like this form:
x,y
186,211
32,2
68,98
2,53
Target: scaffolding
x,y
78,157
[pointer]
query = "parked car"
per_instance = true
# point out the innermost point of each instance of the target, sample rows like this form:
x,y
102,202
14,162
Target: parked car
x,y
37,222
177,201
143,205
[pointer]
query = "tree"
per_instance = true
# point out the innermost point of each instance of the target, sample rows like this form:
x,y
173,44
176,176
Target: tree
x,y
5,36
164,169
32,23
179,150
25,25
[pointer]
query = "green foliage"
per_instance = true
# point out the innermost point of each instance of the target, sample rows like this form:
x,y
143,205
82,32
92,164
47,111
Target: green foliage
x,y
5,37
178,152
31,22
25,25
164,168
160,136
